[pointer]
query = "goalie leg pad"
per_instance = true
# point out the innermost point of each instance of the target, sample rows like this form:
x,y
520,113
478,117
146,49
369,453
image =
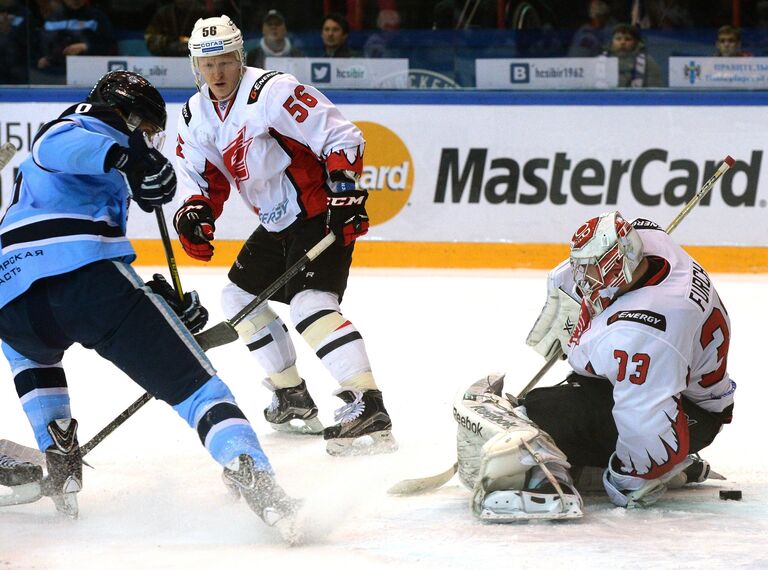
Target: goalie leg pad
x,y
515,470
523,476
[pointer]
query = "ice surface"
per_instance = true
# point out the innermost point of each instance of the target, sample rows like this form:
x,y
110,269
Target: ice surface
x,y
155,499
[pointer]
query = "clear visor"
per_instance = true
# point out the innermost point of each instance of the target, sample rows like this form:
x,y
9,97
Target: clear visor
x,y
154,133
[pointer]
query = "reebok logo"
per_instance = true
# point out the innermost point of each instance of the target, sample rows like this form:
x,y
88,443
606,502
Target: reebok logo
x,y
467,423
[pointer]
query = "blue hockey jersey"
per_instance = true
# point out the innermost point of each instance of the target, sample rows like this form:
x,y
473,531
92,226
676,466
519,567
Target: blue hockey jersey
x,y
66,212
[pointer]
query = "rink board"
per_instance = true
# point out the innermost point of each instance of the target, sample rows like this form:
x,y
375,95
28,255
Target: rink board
x,y
499,179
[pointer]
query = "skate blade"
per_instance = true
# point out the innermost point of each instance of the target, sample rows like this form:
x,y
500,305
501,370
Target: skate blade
x,y
290,530
490,516
20,494
66,504
311,426
370,444
519,506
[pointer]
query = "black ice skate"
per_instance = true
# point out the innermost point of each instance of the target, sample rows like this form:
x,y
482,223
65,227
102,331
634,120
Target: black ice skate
x,y
22,479
264,496
65,467
364,426
292,410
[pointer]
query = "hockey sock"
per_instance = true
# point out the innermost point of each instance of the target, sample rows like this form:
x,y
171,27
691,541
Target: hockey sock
x,y
334,339
221,425
266,336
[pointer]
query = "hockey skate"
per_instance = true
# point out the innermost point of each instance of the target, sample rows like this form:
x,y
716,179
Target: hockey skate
x,y
19,481
364,426
264,496
292,410
65,467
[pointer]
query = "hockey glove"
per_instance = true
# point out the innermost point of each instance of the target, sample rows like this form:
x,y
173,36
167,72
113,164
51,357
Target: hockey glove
x,y
195,225
552,330
346,216
191,312
150,175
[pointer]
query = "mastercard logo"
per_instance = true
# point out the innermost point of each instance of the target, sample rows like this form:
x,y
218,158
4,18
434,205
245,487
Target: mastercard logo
x,y
387,174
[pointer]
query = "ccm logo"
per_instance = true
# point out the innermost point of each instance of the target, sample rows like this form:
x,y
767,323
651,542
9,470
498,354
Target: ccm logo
x,y
346,200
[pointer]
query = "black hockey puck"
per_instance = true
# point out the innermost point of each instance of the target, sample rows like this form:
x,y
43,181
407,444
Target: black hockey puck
x,y
730,495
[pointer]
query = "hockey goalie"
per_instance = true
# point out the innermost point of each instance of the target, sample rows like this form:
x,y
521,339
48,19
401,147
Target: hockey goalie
x,y
647,337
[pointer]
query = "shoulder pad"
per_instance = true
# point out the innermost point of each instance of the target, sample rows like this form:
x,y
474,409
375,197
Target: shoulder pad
x,y
103,113
643,224
253,96
653,320
186,113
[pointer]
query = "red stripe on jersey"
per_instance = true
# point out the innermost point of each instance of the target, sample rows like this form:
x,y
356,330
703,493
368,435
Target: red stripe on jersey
x,y
307,174
218,188
179,142
344,324
338,160
680,427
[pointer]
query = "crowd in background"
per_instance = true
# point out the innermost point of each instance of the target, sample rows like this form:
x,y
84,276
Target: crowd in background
x,y
36,36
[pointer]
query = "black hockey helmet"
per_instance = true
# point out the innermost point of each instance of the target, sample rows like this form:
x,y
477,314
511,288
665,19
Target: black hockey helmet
x,y
133,95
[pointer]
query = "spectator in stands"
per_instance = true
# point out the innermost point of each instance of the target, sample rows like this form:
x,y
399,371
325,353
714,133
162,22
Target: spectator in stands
x,y
728,43
274,41
334,33
592,37
14,19
636,67
380,43
75,29
168,32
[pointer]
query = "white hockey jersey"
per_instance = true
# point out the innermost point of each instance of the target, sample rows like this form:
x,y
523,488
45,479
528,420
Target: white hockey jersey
x,y
274,142
665,338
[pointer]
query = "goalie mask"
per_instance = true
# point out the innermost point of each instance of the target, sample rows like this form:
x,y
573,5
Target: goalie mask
x,y
211,37
135,98
605,251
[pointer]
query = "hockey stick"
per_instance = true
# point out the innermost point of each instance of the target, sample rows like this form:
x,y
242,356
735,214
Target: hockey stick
x,y
225,332
169,257
7,152
414,486
29,453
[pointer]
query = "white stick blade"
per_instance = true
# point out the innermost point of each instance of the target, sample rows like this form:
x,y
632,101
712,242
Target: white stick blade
x,y
423,485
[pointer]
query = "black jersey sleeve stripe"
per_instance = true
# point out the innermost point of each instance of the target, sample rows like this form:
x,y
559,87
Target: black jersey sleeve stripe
x,y
48,229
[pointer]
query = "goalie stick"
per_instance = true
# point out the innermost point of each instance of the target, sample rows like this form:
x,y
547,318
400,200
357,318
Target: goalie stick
x,y
425,484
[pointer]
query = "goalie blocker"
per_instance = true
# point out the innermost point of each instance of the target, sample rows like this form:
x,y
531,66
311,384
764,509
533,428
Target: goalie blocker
x,y
515,470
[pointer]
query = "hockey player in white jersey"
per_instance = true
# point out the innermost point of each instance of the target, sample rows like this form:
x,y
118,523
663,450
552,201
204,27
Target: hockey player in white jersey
x,y
294,160
649,386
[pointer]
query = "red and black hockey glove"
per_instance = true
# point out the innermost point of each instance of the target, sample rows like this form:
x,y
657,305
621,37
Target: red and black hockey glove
x,y
346,216
194,222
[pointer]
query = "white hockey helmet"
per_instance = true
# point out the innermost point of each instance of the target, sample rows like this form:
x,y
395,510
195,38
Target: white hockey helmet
x,y
214,36
605,251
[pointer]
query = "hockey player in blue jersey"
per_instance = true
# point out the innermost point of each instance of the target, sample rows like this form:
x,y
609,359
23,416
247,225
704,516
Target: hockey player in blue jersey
x,y
65,277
